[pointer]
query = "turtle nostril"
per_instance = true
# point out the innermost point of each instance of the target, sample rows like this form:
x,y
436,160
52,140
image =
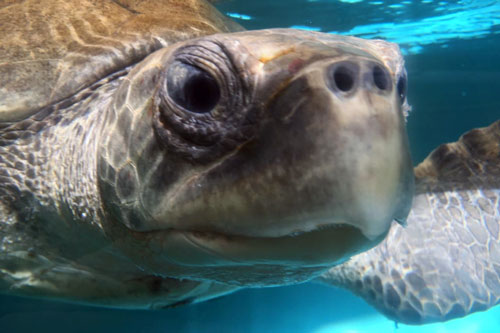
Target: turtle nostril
x,y
380,78
344,79
343,76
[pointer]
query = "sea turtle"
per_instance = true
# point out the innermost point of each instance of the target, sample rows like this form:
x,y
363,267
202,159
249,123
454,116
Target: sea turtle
x,y
153,153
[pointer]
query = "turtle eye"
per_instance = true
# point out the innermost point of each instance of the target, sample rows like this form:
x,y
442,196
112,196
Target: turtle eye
x,y
192,88
401,87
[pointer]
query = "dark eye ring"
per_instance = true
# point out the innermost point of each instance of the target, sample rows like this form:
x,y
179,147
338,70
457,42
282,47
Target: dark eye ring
x,y
192,88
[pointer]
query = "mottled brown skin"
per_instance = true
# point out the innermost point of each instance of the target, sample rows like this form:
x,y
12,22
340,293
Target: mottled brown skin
x,y
446,263
124,183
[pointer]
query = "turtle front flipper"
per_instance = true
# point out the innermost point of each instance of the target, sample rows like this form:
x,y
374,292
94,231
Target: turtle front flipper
x,y
446,263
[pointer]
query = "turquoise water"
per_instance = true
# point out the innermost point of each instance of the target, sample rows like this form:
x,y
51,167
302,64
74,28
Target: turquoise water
x,y
452,52
304,308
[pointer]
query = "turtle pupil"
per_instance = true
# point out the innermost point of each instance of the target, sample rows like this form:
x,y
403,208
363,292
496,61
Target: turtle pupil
x,y
192,88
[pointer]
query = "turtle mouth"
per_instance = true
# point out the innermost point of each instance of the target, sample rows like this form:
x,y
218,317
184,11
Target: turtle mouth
x,y
325,246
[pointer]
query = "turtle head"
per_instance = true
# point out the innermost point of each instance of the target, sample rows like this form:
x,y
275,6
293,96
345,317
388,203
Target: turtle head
x,y
257,158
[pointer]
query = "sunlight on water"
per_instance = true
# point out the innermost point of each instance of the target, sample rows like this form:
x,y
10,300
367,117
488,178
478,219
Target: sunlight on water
x,y
239,16
470,22
461,20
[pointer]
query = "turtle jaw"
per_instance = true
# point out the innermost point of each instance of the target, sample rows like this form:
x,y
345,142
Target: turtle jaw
x,y
247,261
323,247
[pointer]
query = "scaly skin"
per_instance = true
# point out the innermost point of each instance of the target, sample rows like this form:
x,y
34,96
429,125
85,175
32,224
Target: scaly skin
x,y
51,236
446,263
52,242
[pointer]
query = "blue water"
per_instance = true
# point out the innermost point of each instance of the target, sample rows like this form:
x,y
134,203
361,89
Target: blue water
x,y
304,308
452,52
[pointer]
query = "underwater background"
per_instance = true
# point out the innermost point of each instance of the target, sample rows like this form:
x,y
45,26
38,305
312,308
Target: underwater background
x,y
452,51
